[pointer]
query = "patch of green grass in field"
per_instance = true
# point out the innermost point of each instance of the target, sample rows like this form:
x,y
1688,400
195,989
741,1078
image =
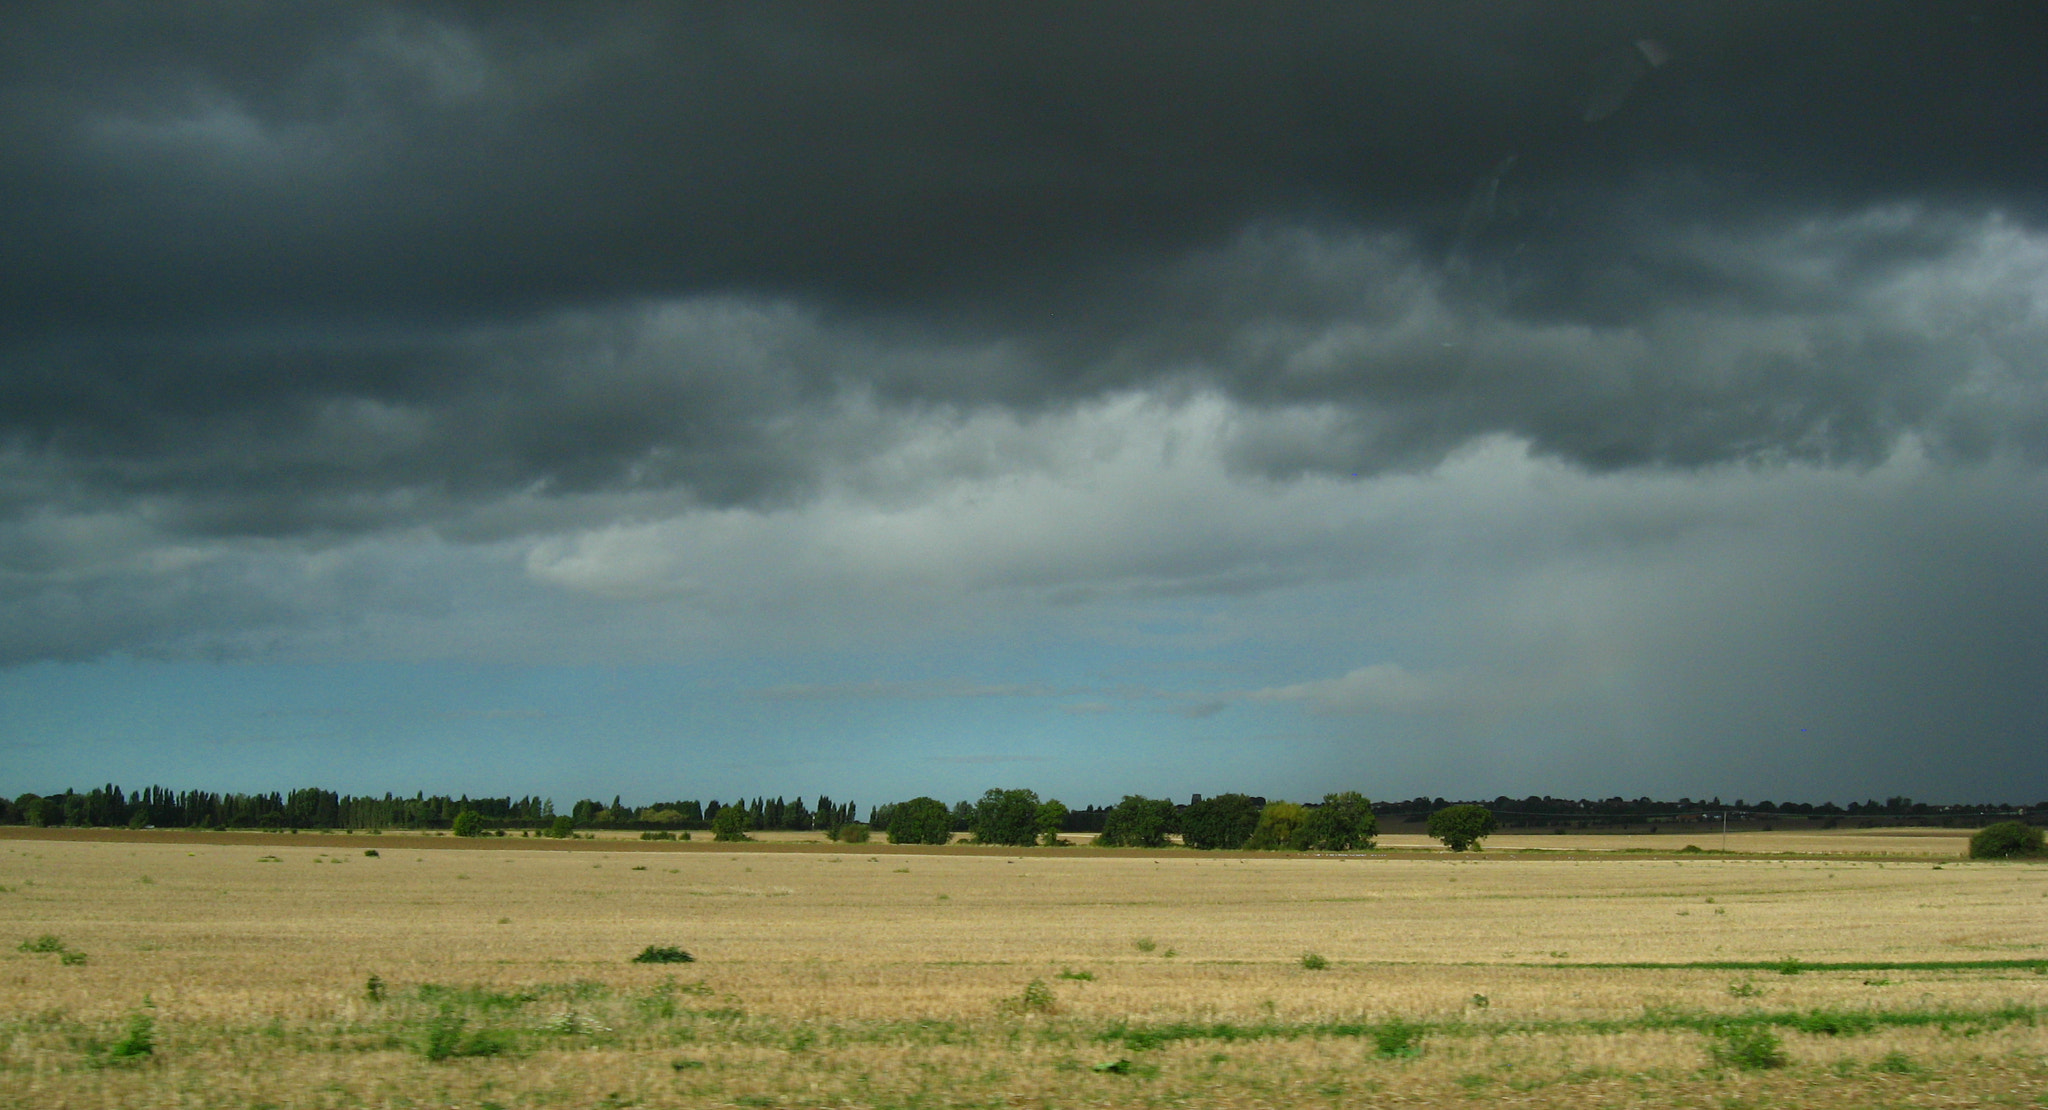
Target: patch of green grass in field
x,y
1795,967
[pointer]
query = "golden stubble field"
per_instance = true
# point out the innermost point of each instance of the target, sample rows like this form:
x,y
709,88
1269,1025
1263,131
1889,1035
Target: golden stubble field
x,y
849,976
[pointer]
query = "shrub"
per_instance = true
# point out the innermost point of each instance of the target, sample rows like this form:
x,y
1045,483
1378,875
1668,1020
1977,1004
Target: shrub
x,y
1461,827
1312,962
732,824
1225,821
853,832
1751,1048
370,853
72,959
2006,840
663,954
563,828
468,823
920,821
373,988
1137,822
46,943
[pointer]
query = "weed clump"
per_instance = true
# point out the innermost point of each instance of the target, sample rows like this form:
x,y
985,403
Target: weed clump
x,y
1036,999
1398,1038
140,1040
48,942
1751,1048
663,954
448,1036
1312,962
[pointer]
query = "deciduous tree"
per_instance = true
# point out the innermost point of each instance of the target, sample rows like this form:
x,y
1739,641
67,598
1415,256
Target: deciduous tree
x,y
1006,817
1461,827
920,821
1343,823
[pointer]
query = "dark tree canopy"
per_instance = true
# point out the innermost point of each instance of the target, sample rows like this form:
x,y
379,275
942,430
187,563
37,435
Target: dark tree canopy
x,y
1137,822
920,821
1225,821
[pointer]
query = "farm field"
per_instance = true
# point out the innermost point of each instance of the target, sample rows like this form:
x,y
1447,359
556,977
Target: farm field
x,y
288,971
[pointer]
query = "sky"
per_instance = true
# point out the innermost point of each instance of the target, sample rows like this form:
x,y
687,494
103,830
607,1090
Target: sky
x,y
702,400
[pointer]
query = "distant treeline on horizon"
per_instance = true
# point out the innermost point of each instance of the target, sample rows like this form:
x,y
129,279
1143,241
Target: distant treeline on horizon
x,y
314,808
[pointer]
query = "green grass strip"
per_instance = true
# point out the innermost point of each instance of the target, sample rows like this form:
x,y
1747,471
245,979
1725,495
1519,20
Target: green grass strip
x,y
1794,967
1396,1036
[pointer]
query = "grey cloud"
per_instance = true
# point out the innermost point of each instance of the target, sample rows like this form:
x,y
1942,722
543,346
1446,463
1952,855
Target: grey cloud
x,y
378,162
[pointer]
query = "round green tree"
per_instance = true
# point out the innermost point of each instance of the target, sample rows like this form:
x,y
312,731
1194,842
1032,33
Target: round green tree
x,y
1461,828
920,821
468,823
2005,840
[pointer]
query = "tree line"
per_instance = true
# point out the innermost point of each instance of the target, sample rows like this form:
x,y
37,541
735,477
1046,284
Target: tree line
x,y
1000,816
315,808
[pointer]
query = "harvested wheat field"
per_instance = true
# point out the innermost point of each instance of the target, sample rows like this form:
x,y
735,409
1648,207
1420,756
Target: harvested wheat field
x,y
299,972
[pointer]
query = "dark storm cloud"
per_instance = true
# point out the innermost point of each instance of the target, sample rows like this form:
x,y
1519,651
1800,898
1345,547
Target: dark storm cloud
x,y
319,268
